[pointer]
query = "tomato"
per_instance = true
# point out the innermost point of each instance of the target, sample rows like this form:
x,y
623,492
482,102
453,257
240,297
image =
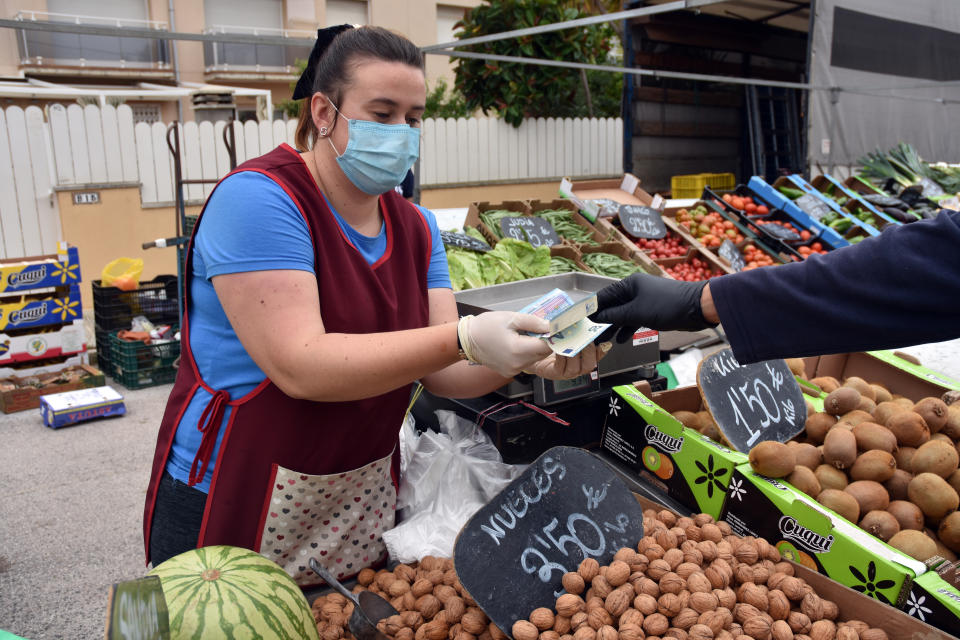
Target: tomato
x,y
751,208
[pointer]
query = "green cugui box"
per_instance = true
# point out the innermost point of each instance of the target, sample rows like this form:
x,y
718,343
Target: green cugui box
x,y
935,601
812,535
682,463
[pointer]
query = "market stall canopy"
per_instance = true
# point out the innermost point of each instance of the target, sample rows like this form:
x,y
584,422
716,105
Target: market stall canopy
x,y
42,90
788,14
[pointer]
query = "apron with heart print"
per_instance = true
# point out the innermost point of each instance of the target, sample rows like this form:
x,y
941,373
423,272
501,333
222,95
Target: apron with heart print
x,y
336,518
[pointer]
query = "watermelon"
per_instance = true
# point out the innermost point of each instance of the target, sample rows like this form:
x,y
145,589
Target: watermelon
x,y
229,592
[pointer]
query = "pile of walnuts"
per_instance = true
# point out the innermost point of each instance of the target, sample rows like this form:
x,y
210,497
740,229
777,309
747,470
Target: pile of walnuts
x,y
433,605
690,579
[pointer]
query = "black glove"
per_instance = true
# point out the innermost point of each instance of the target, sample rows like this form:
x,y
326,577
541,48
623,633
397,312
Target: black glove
x,y
643,300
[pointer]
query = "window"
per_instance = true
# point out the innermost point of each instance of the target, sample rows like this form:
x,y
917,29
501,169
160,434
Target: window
x,y
263,17
346,12
243,13
447,17
145,112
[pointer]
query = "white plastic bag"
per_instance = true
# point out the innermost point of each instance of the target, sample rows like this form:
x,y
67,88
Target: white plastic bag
x,y
446,477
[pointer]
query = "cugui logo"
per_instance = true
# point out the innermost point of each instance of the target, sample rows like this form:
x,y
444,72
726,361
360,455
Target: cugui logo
x,y
28,315
668,444
811,540
27,278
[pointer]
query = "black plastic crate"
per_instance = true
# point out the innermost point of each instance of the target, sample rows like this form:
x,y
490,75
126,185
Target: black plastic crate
x,y
157,300
103,350
136,365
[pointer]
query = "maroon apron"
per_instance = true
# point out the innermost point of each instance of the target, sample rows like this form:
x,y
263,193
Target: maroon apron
x,y
297,478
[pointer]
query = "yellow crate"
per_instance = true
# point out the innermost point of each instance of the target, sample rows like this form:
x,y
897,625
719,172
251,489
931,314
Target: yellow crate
x,y
691,186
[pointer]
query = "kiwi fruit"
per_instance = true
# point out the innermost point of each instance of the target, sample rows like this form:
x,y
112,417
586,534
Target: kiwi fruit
x,y
810,408
944,552
688,419
932,494
910,428
869,494
906,403
942,437
827,383
886,409
954,481
936,456
949,531
880,393
797,367
807,455
841,401
896,485
839,448
868,405
875,465
804,479
855,417
871,435
952,425
933,411
914,543
904,458
830,477
881,524
712,432
817,426
861,385
772,459
842,503
907,514
706,418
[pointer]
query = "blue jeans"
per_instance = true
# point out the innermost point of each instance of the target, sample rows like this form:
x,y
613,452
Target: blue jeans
x,y
176,519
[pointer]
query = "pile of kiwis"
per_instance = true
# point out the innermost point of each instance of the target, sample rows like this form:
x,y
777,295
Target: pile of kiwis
x,y
879,460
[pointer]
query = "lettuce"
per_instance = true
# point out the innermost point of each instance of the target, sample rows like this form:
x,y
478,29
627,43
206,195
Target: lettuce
x,y
509,261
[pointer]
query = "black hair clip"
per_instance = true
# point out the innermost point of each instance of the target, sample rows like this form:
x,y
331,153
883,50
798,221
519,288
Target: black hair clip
x,y
304,88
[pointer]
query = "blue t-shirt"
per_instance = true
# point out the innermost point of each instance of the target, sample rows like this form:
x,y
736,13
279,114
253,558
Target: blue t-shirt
x,y
251,224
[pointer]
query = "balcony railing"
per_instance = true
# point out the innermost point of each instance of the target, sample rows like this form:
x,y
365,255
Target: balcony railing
x,y
42,48
261,58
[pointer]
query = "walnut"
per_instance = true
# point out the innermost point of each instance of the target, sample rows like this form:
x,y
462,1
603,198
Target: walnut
x,y
398,587
801,636
743,573
645,604
566,636
703,518
450,577
873,633
718,579
812,605
702,602
775,581
698,582
725,527
757,627
474,621
647,586
441,617
693,556
329,632
761,574
778,605
412,619
672,583
617,573
725,550
569,604
713,619
421,587
365,577
549,634
655,624
670,604
686,618
666,539
735,630
708,549
743,612
598,617
486,636
390,625
658,568
784,567
726,597
428,605
700,632
573,583
579,619
859,625
561,624
542,618
711,532
640,563
463,635
674,558
594,602
830,609
654,551
524,630
617,602
847,633
435,576
405,633
625,554
601,587
780,630
752,594
799,622
631,631
585,632
680,532
588,569
444,592
793,588
823,630
405,572
693,533
385,579
437,630
631,616
607,632
687,569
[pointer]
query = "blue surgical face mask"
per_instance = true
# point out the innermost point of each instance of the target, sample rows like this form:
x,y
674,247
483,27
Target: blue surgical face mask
x,y
378,155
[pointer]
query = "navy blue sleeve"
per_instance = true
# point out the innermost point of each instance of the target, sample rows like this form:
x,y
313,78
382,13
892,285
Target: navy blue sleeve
x,y
897,289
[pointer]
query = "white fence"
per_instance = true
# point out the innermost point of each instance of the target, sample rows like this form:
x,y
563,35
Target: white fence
x,y
90,145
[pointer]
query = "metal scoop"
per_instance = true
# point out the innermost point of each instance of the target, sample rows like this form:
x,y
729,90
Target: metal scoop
x,y
368,608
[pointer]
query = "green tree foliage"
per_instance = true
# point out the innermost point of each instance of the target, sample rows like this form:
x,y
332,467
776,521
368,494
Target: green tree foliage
x,y
441,105
517,91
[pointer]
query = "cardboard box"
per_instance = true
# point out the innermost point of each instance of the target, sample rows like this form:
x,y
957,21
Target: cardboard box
x,y
67,340
569,252
627,252
543,205
25,312
935,601
853,605
19,394
70,407
476,208
38,272
886,367
685,465
809,533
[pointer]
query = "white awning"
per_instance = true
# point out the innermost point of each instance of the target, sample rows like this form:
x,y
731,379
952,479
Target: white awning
x,y
43,90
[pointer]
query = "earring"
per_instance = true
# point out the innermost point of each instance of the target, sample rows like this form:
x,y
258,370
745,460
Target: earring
x,y
323,132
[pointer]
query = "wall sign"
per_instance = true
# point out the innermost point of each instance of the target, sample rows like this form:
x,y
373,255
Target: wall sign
x,y
86,197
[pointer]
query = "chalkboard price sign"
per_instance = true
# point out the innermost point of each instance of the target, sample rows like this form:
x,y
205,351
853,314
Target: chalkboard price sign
x,y
533,229
463,241
751,402
568,505
780,232
641,222
730,253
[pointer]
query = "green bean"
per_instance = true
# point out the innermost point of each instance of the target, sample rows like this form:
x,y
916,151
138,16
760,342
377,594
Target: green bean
x,y
607,264
559,264
492,218
562,220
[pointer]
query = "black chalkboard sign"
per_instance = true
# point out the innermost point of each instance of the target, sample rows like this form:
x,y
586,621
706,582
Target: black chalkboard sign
x,y
137,609
568,505
463,241
533,229
780,232
729,252
751,402
641,222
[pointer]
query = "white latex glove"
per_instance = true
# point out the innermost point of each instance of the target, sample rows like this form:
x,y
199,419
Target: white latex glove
x,y
493,339
555,367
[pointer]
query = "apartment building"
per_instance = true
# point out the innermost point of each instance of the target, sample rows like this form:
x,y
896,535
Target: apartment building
x,y
166,79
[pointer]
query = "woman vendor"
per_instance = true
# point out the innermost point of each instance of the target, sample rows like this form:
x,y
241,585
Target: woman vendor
x,y
316,296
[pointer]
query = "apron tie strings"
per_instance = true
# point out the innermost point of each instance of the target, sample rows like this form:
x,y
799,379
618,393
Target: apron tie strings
x,y
500,406
209,426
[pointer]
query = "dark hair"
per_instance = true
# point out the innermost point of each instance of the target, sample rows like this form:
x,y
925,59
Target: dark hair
x,y
332,72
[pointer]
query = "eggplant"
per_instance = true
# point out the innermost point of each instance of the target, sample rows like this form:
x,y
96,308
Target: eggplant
x,y
899,214
884,201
